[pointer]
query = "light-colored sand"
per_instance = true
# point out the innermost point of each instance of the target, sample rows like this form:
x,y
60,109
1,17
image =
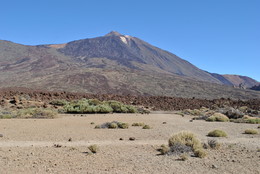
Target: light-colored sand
x,y
28,146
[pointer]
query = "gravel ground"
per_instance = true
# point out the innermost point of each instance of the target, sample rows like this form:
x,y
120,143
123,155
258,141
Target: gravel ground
x,y
28,146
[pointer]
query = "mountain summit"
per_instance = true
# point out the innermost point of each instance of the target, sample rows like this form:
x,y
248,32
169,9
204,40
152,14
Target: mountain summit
x,y
113,63
113,33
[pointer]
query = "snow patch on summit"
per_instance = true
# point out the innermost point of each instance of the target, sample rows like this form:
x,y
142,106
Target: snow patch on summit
x,y
123,39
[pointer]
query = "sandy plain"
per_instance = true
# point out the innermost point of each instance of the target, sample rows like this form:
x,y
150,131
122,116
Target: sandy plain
x,y
28,145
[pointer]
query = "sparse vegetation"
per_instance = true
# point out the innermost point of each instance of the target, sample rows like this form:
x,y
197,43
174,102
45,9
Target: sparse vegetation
x,y
213,144
138,124
6,116
184,157
93,148
146,127
36,113
251,131
58,102
113,125
200,153
164,149
185,138
96,106
247,119
217,133
185,142
218,117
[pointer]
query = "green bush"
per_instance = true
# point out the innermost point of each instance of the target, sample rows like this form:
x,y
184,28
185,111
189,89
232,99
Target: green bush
x,y
6,116
119,107
96,106
217,133
246,120
58,102
251,131
218,117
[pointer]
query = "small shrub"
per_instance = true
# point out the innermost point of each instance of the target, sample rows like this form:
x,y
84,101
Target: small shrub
x,y
164,149
96,106
185,138
123,125
93,148
247,119
92,123
97,127
213,144
217,133
58,102
186,142
251,131
146,127
112,126
258,127
253,121
138,124
218,117
184,157
6,116
200,153
36,113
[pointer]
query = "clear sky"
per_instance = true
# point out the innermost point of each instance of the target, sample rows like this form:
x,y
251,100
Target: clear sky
x,y
221,36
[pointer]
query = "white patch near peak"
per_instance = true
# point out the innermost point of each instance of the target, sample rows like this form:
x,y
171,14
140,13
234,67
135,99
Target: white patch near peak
x,y
123,39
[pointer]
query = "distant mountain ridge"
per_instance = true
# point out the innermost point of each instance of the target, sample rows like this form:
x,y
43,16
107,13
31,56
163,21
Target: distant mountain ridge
x,y
113,63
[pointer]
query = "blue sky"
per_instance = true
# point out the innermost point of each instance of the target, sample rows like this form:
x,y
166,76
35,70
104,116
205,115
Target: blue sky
x,y
221,36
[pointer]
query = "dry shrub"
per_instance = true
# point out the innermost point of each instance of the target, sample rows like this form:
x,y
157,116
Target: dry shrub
x,y
251,131
93,148
213,144
218,117
146,127
138,124
185,142
217,133
36,113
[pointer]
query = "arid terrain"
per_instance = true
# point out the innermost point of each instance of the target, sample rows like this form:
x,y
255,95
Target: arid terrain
x,y
61,145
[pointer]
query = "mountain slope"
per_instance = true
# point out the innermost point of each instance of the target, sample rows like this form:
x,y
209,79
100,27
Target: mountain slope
x,y
113,63
127,49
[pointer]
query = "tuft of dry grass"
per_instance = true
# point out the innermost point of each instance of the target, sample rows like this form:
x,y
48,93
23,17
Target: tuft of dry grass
x,y
213,144
93,148
147,127
36,113
138,124
251,131
217,133
185,138
218,117
185,142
